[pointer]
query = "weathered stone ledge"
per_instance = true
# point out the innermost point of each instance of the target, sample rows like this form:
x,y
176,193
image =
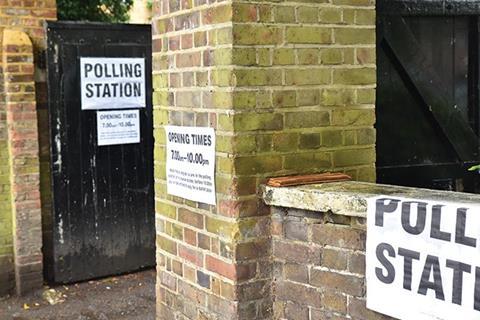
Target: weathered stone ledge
x,y
350,198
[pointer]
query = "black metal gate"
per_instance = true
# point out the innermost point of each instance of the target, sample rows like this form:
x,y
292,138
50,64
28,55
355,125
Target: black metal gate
x,y
103,219
428,93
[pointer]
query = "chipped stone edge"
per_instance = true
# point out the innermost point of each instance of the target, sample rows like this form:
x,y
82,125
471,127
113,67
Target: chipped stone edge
x,y
350,198
339,203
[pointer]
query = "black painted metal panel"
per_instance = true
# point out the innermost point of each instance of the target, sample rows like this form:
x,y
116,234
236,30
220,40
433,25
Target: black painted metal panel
x,y
103,196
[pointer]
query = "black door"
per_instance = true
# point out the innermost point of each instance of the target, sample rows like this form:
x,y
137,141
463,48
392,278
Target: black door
x,y
103,199
427,93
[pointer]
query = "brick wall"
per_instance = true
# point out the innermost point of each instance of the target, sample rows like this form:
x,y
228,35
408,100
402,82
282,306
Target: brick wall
x,y
22,134
199,266
6,240
305,80
289,87
319,266
27,16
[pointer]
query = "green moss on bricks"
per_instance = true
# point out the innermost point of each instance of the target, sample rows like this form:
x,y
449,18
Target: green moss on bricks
x,y
225,122
264,57
160,117
258,121
159,170
166,244
160,81
160,98
245,34
284,56
284,14
308,161
225,229
331,15
307,76
346,158
286,98
257,164
307,14
264,142
258,77
222,56
244,56
366,96
331,56
309,141
244,144
366,136
355,117
244,99
307,119
355,36
177,232
225,165
264,99
365,17
243,12
222,78
222,99
285,141
309,35
166,210
332,138
357,76
308,97
337,97
308,56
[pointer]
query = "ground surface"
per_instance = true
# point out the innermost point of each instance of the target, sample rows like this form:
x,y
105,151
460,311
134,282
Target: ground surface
x,y
129,297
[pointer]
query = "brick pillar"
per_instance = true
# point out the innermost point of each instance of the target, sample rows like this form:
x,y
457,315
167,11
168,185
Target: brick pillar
x,y
290,88
7,274
22,133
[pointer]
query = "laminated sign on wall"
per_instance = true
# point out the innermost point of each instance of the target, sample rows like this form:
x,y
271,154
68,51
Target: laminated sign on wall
x,y
112,83
191,163
423,259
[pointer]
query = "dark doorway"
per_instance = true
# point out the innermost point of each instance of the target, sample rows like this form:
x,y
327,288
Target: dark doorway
x,y
428,93
103,220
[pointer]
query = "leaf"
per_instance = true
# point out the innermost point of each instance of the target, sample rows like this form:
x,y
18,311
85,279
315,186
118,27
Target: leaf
x,y
474,168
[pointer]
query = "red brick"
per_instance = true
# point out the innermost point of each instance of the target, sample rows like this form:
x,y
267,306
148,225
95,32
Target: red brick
x,y
186,60
191,255
251,250
339,236
191,218
295,272
187,41
203,241
303,295
358,310
296,312
190,236
337,282
334,259
223,268
297,253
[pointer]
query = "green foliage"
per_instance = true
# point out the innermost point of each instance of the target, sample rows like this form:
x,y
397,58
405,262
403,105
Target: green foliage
x,y
94,10
474,168
149,4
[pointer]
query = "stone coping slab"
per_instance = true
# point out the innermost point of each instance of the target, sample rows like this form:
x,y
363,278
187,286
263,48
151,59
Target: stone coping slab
x,y
350,198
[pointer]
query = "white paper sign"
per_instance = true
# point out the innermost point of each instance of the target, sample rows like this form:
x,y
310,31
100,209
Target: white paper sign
x,y
423,259
118,127
191,163
112,83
